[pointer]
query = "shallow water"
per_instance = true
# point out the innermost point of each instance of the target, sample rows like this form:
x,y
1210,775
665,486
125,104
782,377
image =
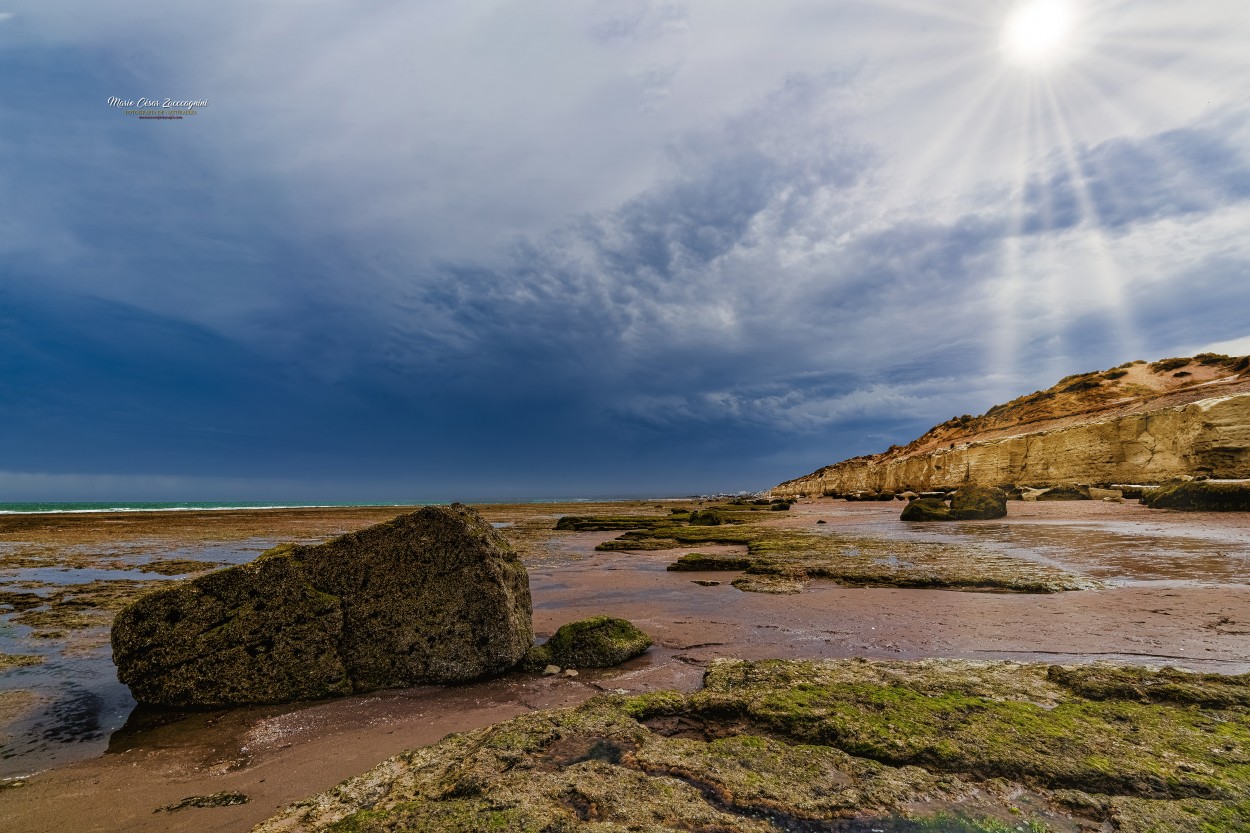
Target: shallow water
x,y
81,702
1117,553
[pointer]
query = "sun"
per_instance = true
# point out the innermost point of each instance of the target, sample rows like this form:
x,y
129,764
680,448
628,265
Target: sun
x,y
1038,32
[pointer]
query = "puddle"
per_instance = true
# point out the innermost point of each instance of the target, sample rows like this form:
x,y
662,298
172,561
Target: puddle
x,y
81,702
1114,552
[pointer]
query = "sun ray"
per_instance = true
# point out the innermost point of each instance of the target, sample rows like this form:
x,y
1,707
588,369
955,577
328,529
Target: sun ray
x,y
1111,280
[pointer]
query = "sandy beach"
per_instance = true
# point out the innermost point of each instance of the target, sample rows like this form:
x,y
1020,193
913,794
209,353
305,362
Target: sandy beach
x,y
1173,592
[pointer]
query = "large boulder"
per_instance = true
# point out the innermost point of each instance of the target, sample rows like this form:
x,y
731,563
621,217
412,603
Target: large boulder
x,y
435,596
926,509
1200,495
978,503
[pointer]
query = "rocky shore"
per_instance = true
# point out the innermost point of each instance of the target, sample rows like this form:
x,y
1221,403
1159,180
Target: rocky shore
x,y
928,730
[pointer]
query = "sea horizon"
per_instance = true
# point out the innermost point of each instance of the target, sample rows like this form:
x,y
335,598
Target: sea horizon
x,y
87,506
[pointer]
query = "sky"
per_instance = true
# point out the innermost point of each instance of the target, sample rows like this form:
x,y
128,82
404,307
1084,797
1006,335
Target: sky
x,y
525,249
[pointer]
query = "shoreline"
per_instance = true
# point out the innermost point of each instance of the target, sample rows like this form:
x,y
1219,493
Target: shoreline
x,y
283,753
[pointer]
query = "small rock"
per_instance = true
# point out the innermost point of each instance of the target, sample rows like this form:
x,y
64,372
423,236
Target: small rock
x,y
597,642
703,582
570,672
222,799
551,670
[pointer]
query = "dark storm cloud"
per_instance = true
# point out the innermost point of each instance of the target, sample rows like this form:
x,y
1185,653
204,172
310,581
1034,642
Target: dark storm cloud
x,y
634,246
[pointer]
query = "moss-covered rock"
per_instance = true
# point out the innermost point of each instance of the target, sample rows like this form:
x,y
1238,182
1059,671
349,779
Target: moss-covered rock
x,y
1071,492
926,509
978,503
850,745
863,561
697,561
434,596
597,642
1200,496
597,523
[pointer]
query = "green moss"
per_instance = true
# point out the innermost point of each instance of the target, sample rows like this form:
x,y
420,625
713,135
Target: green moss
x,y
978,503
600,523
699,561
8,661
221,799
905,746
796,555
926,509
179,566
1168,685
597,642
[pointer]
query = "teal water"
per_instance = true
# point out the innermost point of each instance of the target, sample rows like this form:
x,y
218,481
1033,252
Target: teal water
x,y
151,506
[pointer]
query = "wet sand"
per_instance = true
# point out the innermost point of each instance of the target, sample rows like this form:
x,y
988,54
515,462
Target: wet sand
x,y
1170,599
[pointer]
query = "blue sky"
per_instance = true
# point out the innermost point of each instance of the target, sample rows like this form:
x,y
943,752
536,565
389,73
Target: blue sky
x,y
493,250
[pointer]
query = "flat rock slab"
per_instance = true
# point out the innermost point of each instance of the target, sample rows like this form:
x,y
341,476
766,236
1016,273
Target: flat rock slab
x,y
434,596
850,745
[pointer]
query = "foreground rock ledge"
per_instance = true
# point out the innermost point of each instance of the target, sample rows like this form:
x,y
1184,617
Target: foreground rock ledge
x,y
435,596
936,745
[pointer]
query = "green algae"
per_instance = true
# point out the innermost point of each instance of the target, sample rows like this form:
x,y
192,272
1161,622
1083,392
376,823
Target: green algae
x,y
76,607
798,555
849,745
702,561
601,523
221,799
596,642
179,566
9,661
926,509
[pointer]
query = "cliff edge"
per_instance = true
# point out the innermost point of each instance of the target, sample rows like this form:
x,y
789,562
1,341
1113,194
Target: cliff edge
x,y
1137,423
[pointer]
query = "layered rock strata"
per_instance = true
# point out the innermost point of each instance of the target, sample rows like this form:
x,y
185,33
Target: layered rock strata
x,y
1208,437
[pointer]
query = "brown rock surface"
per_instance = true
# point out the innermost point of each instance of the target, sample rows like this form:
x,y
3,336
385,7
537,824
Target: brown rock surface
x,y
1140,426
434,596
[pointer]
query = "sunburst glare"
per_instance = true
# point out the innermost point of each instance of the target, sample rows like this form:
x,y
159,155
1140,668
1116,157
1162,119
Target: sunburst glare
x,y
1038,33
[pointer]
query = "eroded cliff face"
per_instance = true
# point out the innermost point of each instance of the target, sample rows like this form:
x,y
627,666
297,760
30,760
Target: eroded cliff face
x,y
1207,437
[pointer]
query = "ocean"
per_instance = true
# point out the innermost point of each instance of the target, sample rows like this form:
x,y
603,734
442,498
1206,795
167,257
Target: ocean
x,y
172,506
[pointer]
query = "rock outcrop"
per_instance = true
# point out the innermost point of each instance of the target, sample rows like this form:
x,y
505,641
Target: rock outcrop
x,y
597,642
435,596
969,503
1198,430
850,745
1202,495
978,503
926,509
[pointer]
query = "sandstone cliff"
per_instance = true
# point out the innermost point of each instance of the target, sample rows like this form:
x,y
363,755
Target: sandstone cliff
x,y
1138,423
